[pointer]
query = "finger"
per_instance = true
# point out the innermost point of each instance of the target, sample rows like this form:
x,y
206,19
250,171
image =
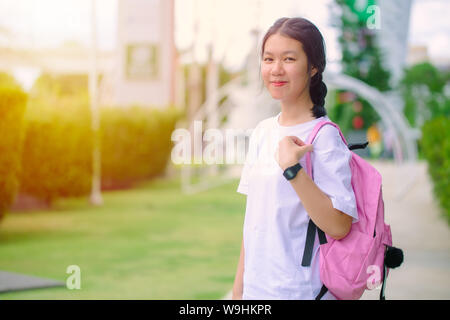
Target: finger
x,y
308,147
297,140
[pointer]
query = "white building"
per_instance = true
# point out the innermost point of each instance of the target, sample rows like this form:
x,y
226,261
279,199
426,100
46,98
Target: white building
x,y
146,54
392,35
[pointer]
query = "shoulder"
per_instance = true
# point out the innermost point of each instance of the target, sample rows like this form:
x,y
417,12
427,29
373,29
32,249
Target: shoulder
x,y
328,138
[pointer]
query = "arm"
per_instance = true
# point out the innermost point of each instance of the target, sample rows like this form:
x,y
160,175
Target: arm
x,y
320,208
238,281
318,205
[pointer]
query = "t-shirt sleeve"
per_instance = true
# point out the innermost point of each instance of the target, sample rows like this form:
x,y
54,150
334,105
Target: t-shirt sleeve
x,y
331,170
250,158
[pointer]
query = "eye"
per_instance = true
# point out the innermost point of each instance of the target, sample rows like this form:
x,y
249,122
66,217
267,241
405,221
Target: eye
x,y
267,59
289,58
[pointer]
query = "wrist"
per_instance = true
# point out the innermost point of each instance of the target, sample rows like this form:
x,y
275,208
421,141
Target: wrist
x,y
288,164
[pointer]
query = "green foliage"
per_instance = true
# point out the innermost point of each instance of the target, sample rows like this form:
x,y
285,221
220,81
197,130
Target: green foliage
x,y
61,85
343,113
423,90
57,156
12,108
8,81
135,143
436,148
361,59
359,8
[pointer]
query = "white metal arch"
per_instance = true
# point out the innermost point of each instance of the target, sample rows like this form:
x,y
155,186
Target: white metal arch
x,y
405,149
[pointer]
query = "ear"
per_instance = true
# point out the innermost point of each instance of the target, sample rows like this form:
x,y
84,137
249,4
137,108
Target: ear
x,y
313,71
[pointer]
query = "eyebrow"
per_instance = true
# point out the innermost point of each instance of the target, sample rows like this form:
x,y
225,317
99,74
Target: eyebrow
x,y
285,52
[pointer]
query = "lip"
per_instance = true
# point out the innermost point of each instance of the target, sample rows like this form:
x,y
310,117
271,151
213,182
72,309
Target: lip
x,y
279,83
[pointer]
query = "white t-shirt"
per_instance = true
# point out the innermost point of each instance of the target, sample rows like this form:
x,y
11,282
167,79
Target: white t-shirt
x,y
276,222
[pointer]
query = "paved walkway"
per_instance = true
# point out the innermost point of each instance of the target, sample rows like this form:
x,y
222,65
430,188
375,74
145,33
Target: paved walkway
x,y
11,281
420,231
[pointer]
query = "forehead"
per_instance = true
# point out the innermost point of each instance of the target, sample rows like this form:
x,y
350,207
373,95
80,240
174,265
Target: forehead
x,y
279,44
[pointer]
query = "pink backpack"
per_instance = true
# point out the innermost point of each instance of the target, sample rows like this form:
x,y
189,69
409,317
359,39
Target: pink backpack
x,y
361,260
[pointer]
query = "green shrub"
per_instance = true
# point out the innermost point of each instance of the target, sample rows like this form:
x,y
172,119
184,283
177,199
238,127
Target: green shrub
x,y
423,90
435,144
135,143
57,148
57,157
12,108
8,81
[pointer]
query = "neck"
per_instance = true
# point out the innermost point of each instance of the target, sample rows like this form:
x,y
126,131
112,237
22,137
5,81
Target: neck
x,y
296,112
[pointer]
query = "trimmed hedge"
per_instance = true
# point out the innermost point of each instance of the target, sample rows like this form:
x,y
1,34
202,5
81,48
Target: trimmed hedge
x,y
435,144
13,103
56,154
135,145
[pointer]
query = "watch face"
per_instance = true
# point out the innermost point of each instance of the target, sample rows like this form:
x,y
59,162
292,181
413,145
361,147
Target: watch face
x,y
290,174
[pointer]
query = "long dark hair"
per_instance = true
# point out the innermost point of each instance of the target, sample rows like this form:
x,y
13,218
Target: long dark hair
x,y
313,44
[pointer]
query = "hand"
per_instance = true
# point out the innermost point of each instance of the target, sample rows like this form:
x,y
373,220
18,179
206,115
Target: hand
x,y
290,150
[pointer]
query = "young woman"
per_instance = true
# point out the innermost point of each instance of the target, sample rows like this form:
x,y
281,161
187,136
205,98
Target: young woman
x,y
278,210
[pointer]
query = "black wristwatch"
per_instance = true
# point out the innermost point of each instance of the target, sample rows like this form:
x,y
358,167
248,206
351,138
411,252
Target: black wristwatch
x,y
291,172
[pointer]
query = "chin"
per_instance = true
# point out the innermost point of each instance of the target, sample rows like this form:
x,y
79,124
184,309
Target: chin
x,y
276,96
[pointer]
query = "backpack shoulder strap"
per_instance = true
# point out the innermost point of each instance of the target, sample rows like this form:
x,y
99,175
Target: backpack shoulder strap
x,y
311,138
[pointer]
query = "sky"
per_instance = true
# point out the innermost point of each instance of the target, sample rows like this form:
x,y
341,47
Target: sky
x,y
49,23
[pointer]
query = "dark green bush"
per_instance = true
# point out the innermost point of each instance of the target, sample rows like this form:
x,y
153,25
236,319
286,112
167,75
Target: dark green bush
x,y
12,108
435,144
57,157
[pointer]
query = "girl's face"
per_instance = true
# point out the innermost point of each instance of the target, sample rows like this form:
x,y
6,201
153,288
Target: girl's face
x,y
284,68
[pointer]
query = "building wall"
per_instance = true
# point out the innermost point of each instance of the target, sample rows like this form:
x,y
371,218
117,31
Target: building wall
x,y
393,35
146,53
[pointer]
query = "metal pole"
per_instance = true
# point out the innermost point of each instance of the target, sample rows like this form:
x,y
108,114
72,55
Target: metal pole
x,y
96,195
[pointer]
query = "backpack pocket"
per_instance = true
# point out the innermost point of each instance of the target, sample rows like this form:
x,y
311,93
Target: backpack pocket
x,y
345,256
341,265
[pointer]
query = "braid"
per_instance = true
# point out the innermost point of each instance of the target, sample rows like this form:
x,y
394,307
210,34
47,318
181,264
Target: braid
x,y
318,91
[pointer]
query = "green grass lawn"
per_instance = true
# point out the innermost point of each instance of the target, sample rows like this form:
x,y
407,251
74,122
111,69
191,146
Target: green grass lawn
x,y
152,242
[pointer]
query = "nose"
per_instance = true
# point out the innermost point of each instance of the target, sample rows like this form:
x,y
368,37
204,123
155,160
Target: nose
x,y
277,68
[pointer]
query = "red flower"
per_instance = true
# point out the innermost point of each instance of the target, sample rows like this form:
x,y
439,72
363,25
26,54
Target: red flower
x,y
357,122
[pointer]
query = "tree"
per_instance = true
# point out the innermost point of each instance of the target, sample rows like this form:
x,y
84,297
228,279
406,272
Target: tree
x,y
423,89
361,59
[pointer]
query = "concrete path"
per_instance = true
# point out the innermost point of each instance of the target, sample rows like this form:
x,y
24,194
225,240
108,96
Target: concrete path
x,y
419,230
12,281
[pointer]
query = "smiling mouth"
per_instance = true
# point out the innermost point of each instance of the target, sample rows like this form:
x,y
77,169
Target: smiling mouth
x,y
279,84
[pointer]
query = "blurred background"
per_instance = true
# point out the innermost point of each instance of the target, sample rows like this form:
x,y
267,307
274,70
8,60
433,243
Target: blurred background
x,y
92,91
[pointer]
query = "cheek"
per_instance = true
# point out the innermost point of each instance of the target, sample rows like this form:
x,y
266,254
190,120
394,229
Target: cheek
x,y
265,73
300,75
